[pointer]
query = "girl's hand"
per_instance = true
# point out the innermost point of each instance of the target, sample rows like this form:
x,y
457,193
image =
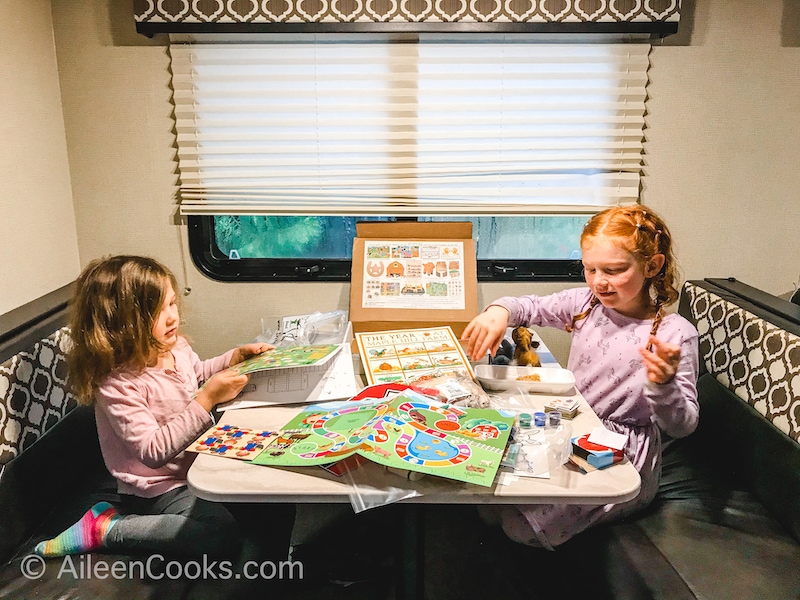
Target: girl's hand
x,y
244,352
222,387
485,332
660,360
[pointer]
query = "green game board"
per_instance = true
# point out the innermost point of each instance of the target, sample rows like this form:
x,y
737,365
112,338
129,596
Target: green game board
x,y
410,432
290,356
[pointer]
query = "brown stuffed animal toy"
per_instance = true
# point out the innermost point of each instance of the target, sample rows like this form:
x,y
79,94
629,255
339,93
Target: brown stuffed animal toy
x,y
524,352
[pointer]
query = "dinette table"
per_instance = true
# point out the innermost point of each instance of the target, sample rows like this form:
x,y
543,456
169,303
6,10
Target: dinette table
x,y
229,480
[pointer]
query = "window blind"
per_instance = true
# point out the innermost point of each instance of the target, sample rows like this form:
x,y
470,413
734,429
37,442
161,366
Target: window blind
x,y
408,128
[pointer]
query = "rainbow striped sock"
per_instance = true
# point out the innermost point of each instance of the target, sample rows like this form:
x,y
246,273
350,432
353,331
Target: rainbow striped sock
x,y
84,536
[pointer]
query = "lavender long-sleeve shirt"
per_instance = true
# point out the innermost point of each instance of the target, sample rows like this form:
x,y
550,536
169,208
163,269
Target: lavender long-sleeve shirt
x,y
611,376
145,421
605,359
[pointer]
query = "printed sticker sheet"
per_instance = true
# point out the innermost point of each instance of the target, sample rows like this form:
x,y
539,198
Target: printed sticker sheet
x,y
420,274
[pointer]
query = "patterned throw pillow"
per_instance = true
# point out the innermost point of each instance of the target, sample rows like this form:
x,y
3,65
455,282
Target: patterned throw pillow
x,y
756,360
33,393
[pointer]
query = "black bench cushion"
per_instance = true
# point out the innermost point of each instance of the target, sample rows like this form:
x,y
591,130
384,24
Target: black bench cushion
x,y
56,475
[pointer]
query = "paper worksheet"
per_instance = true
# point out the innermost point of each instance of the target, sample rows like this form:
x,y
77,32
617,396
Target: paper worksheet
x,y
334,380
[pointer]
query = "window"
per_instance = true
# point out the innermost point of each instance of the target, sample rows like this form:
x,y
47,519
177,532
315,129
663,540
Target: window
x,y
281,144
261,248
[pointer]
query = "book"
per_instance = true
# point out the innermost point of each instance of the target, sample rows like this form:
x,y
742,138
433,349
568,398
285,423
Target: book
x,y
411,355
331,378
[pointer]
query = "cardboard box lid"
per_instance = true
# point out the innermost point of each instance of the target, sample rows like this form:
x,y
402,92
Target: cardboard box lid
x,y
378,319
414,230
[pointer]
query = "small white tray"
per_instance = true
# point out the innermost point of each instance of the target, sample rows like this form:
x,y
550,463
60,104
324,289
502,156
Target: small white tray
x,y
502,378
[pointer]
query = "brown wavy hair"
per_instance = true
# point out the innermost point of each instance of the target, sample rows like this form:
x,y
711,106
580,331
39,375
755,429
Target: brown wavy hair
x,y
643,233
116,302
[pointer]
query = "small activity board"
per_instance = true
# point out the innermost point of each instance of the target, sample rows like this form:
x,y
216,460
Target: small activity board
x,y
412,355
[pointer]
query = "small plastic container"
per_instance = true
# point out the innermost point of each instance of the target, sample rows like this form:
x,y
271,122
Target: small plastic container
x,y
524,420
558,436
539,419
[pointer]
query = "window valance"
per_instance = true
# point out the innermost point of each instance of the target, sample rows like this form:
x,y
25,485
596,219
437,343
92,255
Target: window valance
x,y
654,17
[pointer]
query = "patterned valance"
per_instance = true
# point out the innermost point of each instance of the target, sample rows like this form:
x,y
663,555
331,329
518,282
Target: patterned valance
x,y
655,17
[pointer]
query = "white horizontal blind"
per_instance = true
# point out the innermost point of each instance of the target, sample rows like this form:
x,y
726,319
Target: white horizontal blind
x,y
408,128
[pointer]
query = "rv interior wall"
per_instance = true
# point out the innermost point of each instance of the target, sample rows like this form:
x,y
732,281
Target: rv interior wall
x,y
38,239
721,140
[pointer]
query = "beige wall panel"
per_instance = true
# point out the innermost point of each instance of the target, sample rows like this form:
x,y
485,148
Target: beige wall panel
x,y
38,239
719,160
722,141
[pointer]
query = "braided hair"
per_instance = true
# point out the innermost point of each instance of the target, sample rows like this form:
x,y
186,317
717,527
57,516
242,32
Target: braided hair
x,y
644,234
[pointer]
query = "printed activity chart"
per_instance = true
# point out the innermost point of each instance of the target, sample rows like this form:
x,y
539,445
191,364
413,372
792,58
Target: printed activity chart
x,y
424,275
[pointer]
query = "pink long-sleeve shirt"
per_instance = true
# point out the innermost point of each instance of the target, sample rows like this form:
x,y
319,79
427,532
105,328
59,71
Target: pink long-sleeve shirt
x,y
146,419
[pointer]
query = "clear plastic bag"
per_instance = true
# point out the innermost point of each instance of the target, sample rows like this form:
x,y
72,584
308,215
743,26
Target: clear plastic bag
x,y
303,330
371,487
459,390
324,328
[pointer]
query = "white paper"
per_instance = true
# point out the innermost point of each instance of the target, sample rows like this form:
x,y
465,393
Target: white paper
x,y
334,380
531,462
604,437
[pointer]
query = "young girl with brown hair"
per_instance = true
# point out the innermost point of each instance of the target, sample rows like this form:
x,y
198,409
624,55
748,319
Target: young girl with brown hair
x,y
635,364
143,379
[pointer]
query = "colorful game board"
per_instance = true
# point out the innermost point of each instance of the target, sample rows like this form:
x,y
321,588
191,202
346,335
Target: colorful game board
x,y
410,431
232,442
289,356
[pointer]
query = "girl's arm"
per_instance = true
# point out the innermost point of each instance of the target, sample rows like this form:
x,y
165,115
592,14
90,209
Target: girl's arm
x,y
152,441
554,310
671,389
204,369
485,332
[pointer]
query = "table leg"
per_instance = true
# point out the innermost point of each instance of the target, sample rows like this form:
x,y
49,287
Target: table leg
x,y
410,576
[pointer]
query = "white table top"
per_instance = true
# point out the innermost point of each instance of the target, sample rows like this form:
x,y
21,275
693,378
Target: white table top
x,y
229,480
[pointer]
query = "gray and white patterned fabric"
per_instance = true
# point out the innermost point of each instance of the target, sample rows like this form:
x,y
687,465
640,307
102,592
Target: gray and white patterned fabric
x,y
756,360
33,393
231,12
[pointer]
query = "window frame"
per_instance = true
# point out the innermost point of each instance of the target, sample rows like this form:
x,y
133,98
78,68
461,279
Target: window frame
x,y
214,264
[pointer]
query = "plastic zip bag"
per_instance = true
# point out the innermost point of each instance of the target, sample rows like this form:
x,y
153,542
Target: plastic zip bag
x,y
303,330
365,495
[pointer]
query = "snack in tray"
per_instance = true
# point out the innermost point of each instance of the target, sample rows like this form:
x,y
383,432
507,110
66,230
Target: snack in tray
x,y
531,377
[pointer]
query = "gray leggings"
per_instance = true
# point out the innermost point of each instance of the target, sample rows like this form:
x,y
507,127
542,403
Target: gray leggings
x,y
181,524
177,523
